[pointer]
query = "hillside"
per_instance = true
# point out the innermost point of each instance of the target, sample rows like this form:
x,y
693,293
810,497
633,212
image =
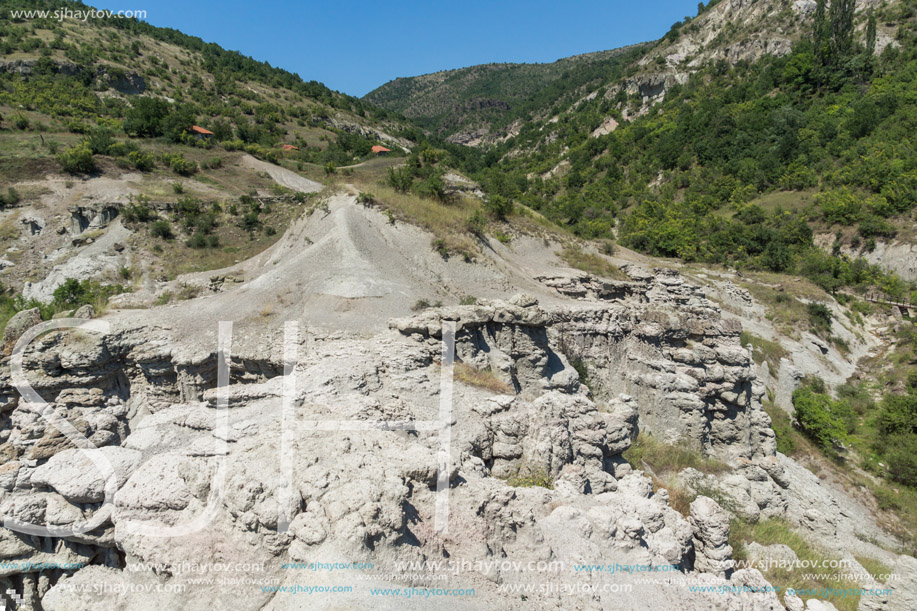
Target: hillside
x,y
470,105
636,329
97,120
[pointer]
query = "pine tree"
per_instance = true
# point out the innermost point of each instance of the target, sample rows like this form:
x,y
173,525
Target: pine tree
x,y
820,33
871,35
841,14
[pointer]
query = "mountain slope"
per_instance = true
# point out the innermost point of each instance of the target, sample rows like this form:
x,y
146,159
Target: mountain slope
x,y
477,105
97,121
466,105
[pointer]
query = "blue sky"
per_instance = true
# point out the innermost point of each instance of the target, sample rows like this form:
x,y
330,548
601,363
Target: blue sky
x,y
356,45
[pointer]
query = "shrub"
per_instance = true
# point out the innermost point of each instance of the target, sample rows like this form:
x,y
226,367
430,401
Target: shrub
x,y
476,224
423,304
198,240
821,419
11,198
819,318
529,477
162,229
439,245
901,457
400,180
100,141
178,164
366,199
250,221
501,207
142,161
77,159
137,213
74,293
898,415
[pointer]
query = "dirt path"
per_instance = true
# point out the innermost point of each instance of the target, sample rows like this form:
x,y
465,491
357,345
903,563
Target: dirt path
x,y
282,176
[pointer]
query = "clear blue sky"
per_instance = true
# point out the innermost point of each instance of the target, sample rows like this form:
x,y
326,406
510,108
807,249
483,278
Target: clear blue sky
x,y
356,45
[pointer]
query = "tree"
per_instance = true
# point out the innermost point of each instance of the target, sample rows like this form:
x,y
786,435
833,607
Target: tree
x,y
871,35
821,418
145,117
841,14
820,34
176,123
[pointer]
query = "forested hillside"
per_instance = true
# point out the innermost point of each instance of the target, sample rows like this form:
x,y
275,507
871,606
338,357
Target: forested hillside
x,y
740,163
471,103
130,78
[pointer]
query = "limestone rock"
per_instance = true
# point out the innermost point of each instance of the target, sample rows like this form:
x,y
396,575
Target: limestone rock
x,y
712,552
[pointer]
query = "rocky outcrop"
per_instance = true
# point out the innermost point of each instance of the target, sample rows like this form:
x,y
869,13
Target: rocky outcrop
x,y
366,494
16,326
712,552
129,83
656,338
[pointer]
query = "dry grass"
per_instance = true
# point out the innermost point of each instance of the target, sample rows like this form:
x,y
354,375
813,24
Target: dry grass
x,y
481,378
447,222
530,477
769,532
764,350
576,257
664,458
876,568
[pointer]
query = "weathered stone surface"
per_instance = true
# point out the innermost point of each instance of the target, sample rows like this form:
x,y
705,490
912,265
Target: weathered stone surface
x,y
16,326
712,552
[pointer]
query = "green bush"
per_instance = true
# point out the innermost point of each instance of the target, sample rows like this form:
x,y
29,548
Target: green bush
x,y
11,198
77,159
74,293
178,164
901,458
822,419
162,229
898,415
100,141
138,212
501,207
198,240
819,318
142,161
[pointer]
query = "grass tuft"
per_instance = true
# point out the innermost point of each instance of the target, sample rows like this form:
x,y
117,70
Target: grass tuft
x,y
576,257
481,378
665,458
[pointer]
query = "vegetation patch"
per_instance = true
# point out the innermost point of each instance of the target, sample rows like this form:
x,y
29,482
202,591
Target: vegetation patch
x,y
667,458
527,476
574,256
481,378
764,350
774,531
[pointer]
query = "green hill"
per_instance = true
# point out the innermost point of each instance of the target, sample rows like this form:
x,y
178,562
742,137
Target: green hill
x,y
463,105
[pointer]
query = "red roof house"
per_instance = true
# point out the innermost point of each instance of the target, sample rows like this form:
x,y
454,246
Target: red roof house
x,y
380,150
200,132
